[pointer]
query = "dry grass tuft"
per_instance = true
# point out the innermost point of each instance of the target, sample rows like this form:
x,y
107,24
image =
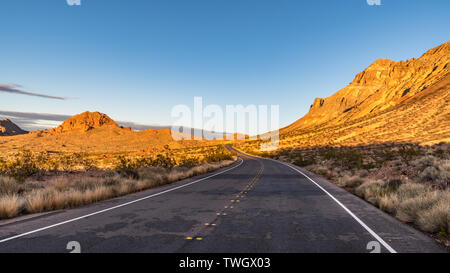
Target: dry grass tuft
x,y
10,206
351,181
436,219
409,209
371,190
389,203
8,186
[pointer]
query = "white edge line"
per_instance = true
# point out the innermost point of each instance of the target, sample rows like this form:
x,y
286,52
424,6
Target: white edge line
x,y
118,206
378,238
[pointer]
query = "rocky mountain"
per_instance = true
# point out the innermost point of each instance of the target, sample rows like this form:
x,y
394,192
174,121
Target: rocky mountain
x,y
95,132
382,85
388,102
8,128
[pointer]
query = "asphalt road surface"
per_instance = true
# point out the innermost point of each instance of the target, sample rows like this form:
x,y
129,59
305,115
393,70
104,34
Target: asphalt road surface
x,y
253,206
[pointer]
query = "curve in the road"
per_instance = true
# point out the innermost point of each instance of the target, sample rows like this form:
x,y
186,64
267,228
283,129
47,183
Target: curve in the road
x,y
257,205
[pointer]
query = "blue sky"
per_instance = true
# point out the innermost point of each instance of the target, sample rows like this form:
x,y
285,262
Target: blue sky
x,y
135,60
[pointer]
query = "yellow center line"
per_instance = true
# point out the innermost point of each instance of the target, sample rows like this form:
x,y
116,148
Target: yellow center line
x,y
249,186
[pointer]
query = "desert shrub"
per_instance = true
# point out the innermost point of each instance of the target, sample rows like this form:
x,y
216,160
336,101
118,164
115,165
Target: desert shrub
x,y
328,152
392,185
372,191
321,170
444,174
42,200
74,198
164,161
408,153
383,155
424,162
98,193
188,162
111,181
47,163
74,161
157,174
59,183
409,209
389,203
436,219
23,166
86,183
411,190
439,153
9,186
300,161
88,164
350,181
362,173
370,165
10,206
429,174
351,159
25,163
396,163
127,167
378,192
66,162
218,155
439,174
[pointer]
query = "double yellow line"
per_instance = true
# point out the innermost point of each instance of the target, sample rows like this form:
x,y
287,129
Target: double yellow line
x,y
243,155
260,171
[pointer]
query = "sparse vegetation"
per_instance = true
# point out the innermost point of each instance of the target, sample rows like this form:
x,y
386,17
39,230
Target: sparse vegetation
x,y
302,162
408,181
33,183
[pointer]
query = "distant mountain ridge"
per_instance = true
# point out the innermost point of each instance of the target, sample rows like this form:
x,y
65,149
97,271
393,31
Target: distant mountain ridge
x,y
8,128
29,120
98,133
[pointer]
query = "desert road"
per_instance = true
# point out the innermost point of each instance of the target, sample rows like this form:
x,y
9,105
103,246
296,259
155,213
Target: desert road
x,y
253,206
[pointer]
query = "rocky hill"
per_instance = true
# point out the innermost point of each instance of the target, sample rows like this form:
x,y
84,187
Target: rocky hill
x,y
384,84
86,121
8,128
406,101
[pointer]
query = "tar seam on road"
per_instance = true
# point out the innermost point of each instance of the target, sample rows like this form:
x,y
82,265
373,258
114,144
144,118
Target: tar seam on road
x,y
118,206
378,238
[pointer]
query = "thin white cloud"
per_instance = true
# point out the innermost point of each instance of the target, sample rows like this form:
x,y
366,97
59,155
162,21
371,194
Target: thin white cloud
x,y
13,88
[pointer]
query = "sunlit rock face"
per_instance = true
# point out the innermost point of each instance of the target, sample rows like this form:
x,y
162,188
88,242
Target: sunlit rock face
x,y
382,85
